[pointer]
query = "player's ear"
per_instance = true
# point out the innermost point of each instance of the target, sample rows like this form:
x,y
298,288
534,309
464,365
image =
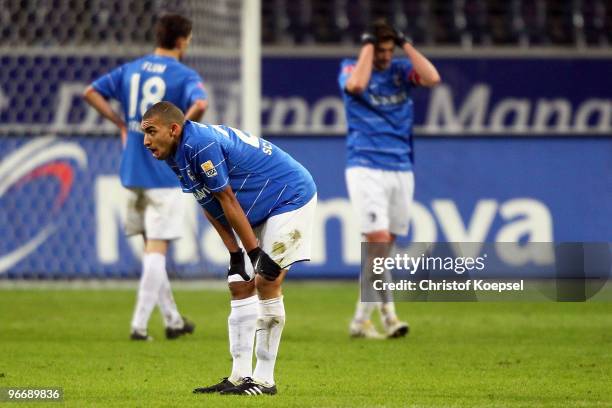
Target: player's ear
x,y
181,42
175,130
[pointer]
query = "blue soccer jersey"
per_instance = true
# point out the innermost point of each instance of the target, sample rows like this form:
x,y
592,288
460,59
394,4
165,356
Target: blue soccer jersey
x,y
137,85
265,179
380,119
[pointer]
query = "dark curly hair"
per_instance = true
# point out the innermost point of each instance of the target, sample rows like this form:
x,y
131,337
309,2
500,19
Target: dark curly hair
x,y
171,27
383,31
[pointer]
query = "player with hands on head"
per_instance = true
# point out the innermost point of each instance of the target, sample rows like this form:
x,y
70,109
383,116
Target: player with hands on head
x,y
260,201
376,90
154,199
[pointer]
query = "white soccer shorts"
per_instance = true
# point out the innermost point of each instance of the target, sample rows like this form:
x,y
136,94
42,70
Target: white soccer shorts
x,y
286,238
381,199
155,212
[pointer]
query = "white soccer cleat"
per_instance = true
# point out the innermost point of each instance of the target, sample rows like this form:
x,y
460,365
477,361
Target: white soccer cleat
x,y
395,328
364,330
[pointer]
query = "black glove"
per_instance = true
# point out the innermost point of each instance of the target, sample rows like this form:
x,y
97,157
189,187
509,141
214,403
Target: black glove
x,y
400,38
236,266
368,38
264,265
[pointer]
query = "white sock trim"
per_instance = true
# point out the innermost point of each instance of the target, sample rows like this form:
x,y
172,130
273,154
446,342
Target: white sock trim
x,y
272,307
154,258
244,302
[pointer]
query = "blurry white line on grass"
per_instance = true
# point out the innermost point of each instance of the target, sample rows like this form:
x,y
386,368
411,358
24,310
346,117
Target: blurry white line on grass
x,y
105,284
132,284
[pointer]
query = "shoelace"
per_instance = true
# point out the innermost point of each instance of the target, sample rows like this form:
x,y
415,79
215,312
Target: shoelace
x,y
249,386
248,380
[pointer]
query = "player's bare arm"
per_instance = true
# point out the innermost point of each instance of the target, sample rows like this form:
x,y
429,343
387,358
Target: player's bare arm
x,y
99,103
428,75
197,110
238,290
236,218
358,81
262,263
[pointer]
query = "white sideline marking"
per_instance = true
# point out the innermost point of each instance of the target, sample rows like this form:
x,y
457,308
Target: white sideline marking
x,y
132,284
106,284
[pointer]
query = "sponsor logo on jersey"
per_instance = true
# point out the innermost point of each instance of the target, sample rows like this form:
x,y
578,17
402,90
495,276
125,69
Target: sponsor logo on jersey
x,y
200,193
209,168
383,100
190,174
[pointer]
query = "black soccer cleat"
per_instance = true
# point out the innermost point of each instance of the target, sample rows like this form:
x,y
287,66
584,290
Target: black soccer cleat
x,y
250,387
137,336
221,386
188,328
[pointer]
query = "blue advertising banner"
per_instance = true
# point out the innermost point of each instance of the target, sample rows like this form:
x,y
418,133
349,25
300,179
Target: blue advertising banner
x,y
487,96
540,168
62,203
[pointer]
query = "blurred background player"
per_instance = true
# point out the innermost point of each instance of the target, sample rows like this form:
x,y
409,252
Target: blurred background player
x,y
154,205
251,189
376,91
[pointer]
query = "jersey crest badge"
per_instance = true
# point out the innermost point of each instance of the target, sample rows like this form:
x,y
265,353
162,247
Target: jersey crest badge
x,y
209,168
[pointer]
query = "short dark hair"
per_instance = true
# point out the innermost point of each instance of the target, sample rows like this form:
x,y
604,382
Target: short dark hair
x,y
383,31
170,27
166,111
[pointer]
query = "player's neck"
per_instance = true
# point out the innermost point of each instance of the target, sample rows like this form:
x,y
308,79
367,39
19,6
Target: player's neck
x,y
164,52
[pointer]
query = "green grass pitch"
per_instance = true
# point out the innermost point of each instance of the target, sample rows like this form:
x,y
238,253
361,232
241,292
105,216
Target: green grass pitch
x,y
457,354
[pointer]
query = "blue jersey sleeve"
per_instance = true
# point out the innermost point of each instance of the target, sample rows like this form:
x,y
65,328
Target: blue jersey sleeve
x,y
409,75
194,89
346,68
109,85
210,165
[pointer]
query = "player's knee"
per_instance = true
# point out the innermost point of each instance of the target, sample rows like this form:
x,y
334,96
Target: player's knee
x,y
262,283
379,236
156,245
242,290
267,287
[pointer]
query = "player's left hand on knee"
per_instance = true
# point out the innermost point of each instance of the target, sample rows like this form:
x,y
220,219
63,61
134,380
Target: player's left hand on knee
x,y
236,266
264,265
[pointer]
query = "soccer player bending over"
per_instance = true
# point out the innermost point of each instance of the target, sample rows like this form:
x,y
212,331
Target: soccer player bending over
x,y
251,189
377,89
154,204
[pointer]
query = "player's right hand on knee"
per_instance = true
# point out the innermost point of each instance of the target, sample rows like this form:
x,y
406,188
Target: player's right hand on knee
x,y
264,265
236,266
